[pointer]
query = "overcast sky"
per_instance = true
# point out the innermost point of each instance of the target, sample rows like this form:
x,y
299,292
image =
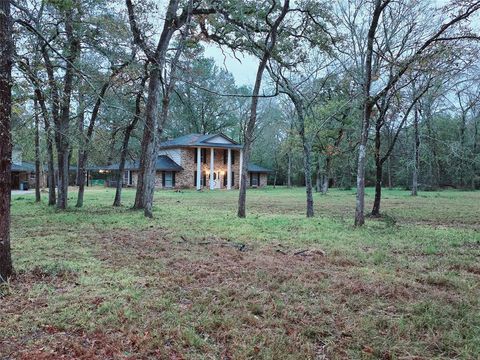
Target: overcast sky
x,y
244,71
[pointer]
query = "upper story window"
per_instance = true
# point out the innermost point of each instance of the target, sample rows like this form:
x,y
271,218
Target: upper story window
x,y
225,156
203,153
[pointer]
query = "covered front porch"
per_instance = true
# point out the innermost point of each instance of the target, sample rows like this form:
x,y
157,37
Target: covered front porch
x,y
214,167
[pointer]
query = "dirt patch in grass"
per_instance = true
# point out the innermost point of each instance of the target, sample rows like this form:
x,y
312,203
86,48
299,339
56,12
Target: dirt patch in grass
x,y
237,301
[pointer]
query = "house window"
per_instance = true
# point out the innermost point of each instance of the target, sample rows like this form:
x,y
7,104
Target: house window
x,y
203,178
225,156
126,177
203,154
255,179
168,179
225,179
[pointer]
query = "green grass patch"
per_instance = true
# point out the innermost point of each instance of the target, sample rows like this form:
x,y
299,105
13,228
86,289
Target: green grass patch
x,y
197,282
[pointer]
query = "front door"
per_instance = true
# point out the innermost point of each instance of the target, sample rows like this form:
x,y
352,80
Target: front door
x,y
217,180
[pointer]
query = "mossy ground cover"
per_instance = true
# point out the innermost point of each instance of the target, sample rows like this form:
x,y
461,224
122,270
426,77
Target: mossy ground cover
x,y
196,282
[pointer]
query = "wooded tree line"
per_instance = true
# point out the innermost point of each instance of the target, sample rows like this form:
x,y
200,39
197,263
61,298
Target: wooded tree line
x,y
351,93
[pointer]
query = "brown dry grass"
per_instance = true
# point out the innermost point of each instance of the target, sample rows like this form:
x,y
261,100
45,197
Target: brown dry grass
x,y
148,290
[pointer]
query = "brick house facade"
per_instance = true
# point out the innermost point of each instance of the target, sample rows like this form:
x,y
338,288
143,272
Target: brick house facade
x,y
178,164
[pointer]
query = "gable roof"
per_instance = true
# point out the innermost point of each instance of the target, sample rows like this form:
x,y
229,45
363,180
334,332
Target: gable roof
x,y
254,168
199,140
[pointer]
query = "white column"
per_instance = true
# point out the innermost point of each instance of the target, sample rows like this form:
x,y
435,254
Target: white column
x,y
229,170
212,169
199,168
241,169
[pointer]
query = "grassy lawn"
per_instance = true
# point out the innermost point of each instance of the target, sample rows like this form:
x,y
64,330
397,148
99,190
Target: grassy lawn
x,y
198,283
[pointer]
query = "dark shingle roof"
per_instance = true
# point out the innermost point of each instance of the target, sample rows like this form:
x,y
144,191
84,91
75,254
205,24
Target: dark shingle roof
x,y
24,166
192,140
164,163
254,168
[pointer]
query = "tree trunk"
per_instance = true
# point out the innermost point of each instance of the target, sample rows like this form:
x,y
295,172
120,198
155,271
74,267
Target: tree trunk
x,y
126,139
83,155
319,179
389,171
39,100
81,179
433,144
149,181
37,151
416,155
289,170
146,139
367,111
463,127
152,146
307,149
270,45
308,177
326,177
55,104
62,162
248,138
80,126
62,125
474,151
378,172
146,176
50,164
362,158
378,188
6,52
49,140
242,196
121,169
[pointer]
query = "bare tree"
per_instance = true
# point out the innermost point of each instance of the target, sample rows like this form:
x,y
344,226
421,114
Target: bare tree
x,y
289,89
62,117
368,62
84,149
416,152
32,75
126,139
383,108
269,45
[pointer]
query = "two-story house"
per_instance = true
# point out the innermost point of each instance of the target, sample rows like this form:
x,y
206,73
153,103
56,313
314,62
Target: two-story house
x,y
198,161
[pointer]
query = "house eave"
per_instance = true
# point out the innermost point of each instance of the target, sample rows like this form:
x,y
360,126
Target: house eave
x,y
204,146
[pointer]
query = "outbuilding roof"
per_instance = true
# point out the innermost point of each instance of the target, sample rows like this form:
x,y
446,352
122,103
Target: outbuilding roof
x,y
199,140
24,166
254,168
